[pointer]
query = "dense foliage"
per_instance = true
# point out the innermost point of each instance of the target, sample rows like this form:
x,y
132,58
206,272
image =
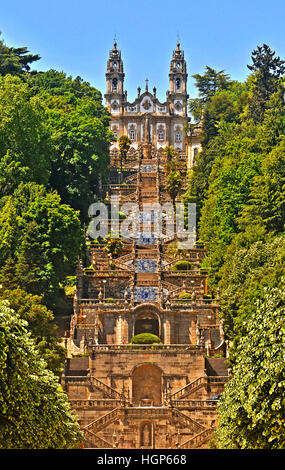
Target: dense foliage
x,y
54,140
252,409
238,182
34,411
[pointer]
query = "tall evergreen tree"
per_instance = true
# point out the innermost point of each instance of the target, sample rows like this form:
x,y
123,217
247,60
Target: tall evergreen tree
x,y
267,69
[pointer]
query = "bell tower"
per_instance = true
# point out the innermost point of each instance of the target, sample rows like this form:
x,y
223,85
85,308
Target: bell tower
x,y
115,80
178,82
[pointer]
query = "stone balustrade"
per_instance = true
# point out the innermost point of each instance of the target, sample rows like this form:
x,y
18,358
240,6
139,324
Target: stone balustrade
x,y
87,404
194,404
165,348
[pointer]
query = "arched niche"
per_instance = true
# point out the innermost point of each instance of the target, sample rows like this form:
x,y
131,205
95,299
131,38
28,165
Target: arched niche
x,y
146,435
147,385
147,320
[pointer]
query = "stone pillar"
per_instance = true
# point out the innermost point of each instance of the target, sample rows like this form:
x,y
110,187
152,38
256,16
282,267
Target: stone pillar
x,y
166,332
119,329
193,332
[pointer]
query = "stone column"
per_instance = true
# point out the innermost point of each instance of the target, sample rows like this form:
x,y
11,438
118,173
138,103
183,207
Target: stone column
x,y
166,332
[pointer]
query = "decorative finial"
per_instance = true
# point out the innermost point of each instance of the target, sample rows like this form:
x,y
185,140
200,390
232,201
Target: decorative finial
x,y
115,42
146,84
178,42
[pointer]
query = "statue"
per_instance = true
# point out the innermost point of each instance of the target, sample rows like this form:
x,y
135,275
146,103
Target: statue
x,y
146,435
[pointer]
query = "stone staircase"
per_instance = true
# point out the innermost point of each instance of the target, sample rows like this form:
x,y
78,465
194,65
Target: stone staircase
x,y
187,422
92,441
102,422
109,391
196,385
197,440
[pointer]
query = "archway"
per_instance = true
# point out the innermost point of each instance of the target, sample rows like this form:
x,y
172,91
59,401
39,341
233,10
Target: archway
x,y
147,385
147,322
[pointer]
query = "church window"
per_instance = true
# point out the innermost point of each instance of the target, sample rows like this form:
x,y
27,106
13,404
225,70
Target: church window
x,y
132,135
178,137
160,135
115,83
178,84
115,65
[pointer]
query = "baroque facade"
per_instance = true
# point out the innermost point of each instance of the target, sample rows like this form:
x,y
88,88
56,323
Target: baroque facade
x,y
168,120
141,396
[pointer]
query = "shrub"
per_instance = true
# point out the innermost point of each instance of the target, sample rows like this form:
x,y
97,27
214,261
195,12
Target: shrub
x,y
181,265
145,338
110,300
207,296
185,295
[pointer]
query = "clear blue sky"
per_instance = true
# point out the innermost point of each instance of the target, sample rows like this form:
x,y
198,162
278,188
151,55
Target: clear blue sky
x,y
75,35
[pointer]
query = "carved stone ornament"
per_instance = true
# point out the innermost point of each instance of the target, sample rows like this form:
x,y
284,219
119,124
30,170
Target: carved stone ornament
x,y
178,106
146,105
115,105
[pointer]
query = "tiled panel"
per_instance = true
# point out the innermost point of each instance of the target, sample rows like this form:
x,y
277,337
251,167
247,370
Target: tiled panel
x,y
146,266
146,294
147,216
146,238
148,168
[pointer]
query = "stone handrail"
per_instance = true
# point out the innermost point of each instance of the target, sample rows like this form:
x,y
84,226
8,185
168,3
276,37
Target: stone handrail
x,y
103,403
103,301
145,347
96,441
106,273
103,421
106,388
149,283
197,440
194,403
204,302
189,388
189,422
144,411
97,383
190,272
195,385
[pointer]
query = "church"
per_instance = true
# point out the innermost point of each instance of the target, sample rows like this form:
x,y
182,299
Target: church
x,y
146,349
169,120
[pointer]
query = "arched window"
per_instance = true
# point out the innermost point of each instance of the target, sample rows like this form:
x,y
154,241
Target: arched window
x,y
115,83
178,83
178,137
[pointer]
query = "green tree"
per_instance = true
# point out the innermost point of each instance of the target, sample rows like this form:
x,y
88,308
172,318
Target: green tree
x,y
124,145
267,69
266,203
40,323
34,411
251,409
78,126
36,220
249,267
173,184
15,60
24,139
208,84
